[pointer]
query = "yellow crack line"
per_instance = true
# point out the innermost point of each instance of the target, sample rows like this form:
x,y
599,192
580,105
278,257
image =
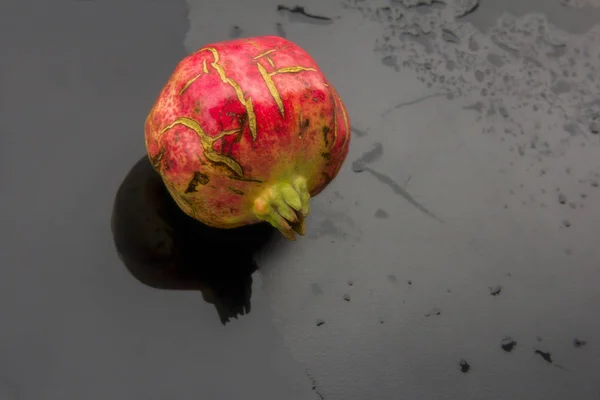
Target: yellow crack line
x,y
271,85
188,83
253,43
272,88
293,69
207,142
266,53
332,95
345,117
247,103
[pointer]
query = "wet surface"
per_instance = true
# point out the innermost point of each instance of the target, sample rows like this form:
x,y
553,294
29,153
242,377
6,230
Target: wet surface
x,y
464,366
164,249
79,320
508,344
461,230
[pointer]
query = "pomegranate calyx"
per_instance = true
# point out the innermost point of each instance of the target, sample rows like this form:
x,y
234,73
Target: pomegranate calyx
x,y
285,205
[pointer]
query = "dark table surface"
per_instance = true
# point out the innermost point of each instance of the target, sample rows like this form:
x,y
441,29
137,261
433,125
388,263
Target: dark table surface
x,y
456,255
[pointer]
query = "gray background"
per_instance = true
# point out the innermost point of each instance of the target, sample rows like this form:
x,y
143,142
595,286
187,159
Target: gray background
x,y
474,168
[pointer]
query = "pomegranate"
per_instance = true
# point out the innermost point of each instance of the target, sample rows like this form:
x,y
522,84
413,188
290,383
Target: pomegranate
x,y
247,131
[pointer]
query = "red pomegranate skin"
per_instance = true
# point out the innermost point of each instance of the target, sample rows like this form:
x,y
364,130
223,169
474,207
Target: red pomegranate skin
x,y
240,125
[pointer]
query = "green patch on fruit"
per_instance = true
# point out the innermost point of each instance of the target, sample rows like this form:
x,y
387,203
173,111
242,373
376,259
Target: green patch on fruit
x,y
285,205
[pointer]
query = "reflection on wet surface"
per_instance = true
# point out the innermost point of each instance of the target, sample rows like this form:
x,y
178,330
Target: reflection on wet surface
x,y
300,14
399,190
165,249
509,158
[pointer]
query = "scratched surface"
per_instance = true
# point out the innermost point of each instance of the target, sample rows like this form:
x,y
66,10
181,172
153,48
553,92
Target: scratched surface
x,y
455,256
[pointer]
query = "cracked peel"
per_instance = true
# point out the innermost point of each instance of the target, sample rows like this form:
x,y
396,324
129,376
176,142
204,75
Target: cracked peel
x,y
291,70
272,88
266,53
207,143
246,102
347,132
269,81
188,83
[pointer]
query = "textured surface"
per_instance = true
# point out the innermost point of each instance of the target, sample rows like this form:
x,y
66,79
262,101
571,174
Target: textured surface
x,y
455,255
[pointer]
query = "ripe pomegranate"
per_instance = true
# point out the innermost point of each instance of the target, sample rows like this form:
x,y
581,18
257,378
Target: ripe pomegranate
x,y
248,130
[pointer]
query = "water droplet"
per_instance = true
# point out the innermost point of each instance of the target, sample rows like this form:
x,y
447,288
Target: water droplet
x,y
381,214
562,199
479,75
495,290
508,344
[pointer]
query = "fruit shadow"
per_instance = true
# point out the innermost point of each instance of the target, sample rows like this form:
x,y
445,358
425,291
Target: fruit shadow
x,y
165,249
